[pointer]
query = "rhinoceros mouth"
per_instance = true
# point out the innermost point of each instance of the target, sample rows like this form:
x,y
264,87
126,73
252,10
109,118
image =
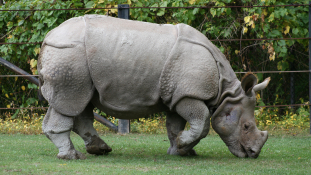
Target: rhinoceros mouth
x,y
249,152
238,150
244,150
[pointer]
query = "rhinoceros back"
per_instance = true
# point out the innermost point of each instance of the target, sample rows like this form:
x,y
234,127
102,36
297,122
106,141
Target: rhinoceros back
x,y
62,66
126,59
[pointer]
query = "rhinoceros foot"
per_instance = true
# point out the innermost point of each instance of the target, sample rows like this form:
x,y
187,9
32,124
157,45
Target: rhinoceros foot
x,y
188,149
175,151
97,146
71,154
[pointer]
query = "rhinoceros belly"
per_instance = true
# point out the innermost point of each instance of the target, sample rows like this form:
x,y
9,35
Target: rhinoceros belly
x,y
126,59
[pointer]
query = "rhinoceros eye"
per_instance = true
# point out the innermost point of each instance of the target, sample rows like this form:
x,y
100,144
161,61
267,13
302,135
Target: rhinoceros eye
x,y
246,126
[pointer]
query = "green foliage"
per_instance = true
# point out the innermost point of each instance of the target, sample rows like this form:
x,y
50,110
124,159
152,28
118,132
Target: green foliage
x,y
215,23
286,119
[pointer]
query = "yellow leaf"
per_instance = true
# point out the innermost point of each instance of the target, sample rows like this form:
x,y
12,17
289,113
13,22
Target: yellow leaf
x,y
23,88
33,63
245,29
129,2
264,12
10,36
101,1
271,17
34,71
247,19
114,10
37,50
8,106
16,78
286,31
237,51
192,1
7,96
258,96
108,6
250,23
299,157
272,56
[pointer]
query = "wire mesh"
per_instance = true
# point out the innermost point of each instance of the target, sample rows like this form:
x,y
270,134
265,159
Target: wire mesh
x,y
300,75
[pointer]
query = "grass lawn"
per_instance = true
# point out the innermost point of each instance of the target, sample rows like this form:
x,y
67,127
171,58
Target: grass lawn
x,y
146,154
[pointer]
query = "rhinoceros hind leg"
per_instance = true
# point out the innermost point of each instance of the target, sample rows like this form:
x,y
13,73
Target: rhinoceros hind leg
x,y
198,116
83,126
174,125
57,128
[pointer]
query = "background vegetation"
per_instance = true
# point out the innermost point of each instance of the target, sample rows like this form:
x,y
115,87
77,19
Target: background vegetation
x,y
216,23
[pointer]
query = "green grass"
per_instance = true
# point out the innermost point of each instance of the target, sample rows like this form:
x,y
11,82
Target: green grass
x,y
146,154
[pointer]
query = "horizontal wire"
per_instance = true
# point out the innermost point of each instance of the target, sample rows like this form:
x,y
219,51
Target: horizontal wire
x,y
298,71
19,75
258,39
24,43
28,108
268,106
191,7
272,106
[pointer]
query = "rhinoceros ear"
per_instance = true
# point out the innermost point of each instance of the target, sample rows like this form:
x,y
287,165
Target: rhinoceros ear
x,y
248,82
262,85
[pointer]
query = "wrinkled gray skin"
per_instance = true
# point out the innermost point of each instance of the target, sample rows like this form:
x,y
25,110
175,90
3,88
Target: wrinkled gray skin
x,y
131,69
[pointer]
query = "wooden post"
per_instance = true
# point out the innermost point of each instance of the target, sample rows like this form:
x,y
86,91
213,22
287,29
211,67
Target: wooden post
x,y
124,13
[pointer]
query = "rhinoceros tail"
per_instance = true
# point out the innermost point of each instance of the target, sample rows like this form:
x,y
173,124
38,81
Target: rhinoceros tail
x,y
40,96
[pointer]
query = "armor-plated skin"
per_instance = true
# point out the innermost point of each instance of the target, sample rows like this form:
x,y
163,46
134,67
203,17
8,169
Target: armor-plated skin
x,y
130,69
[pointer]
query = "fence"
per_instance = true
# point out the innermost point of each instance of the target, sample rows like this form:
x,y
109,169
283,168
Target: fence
x,y
124,8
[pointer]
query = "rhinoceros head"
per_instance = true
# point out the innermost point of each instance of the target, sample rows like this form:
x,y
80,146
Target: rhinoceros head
x,y
235,123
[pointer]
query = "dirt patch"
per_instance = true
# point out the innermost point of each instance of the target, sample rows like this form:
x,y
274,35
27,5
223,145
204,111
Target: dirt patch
x,y
13,170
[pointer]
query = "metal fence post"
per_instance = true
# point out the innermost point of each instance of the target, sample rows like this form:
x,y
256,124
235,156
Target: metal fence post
x,y
310,62
124,12
292,84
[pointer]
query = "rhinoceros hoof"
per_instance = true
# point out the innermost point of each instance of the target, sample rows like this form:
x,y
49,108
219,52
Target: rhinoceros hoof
x,y
172,151
183,152
70,155
98,147
98,150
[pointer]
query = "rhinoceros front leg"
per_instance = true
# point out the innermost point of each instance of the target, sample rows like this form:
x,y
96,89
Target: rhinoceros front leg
x,y
198,116
174,124
57,128
83,126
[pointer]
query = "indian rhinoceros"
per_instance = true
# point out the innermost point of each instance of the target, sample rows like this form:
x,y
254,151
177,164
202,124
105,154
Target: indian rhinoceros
x,y
130,69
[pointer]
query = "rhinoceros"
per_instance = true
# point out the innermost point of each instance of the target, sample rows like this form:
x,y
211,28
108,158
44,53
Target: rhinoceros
x,y
130,69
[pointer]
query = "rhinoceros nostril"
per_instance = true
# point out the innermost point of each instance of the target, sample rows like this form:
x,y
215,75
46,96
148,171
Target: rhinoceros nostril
x,y
253,153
